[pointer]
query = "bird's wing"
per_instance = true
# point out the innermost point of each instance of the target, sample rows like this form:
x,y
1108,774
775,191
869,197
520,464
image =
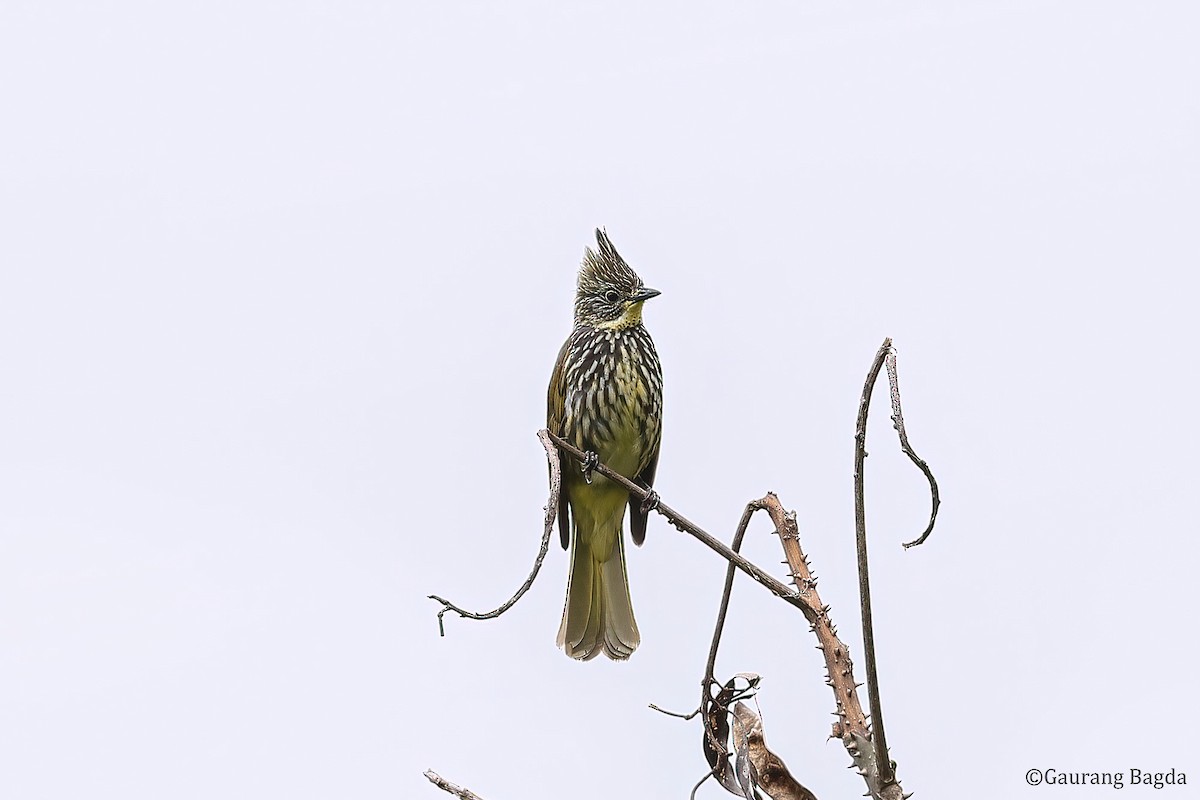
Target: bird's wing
x,y
637,517
556,412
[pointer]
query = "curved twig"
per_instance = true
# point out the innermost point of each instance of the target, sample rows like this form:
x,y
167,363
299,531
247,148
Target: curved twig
x,y
898,424
551,513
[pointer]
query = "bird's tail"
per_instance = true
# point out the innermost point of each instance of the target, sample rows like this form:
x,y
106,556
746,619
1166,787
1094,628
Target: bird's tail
x,y
598,614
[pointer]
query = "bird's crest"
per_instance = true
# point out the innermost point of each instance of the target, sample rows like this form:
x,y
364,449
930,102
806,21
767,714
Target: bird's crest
x,y
604,267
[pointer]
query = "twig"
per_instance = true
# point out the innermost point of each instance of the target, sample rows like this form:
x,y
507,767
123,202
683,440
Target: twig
x,y
551,511
710,667
707,701
715,709
447,786
898,424
696,788
676,714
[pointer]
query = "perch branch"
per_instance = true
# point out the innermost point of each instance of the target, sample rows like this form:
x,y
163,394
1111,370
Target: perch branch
x,y
776,587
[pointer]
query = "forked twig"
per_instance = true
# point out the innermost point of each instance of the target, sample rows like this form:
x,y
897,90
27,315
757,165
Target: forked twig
x,y
886,354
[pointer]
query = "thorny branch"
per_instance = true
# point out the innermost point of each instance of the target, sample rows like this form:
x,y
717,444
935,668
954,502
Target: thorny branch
x,y
851,726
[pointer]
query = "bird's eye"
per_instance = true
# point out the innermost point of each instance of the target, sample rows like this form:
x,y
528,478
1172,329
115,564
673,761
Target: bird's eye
x,y
611,296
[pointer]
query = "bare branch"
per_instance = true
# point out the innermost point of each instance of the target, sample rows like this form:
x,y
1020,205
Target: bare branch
x,y
898,424
447,786
551,511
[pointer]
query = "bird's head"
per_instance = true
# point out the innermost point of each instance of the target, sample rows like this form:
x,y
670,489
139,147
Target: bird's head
x,y
609,293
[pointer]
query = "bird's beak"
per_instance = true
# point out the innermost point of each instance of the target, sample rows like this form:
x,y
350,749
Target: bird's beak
x,y
645,294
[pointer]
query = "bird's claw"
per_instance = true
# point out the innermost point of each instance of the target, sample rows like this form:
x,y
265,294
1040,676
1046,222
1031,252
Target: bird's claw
x,y
590,460
651,502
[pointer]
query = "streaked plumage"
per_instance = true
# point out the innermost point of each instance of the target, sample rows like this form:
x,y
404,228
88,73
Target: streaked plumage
x,y
605,396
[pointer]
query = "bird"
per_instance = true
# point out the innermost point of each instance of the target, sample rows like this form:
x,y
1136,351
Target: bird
x,y
605,397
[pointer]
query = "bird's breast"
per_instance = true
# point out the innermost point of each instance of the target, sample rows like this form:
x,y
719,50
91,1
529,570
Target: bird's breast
x,y
614,397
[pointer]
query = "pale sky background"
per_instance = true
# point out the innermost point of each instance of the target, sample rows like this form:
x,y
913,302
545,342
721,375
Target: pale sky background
x,y
283,284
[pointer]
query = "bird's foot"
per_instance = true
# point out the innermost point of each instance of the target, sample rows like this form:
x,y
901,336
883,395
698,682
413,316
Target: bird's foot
x,y
590,460
651,502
